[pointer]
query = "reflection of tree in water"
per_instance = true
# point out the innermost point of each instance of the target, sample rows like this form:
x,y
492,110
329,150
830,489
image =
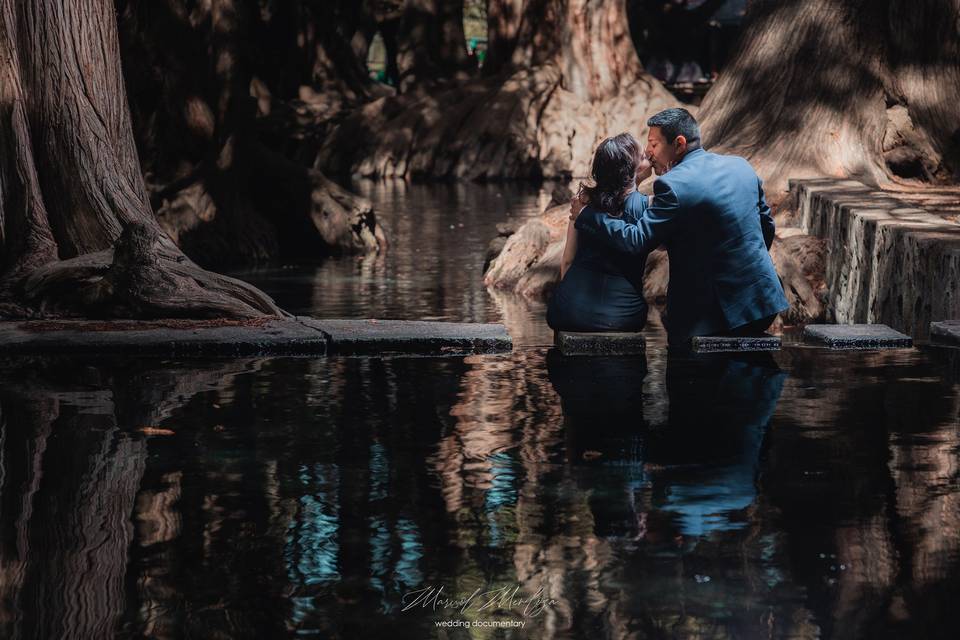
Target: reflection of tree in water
x,y
308,495
577,526
72,464
865,482
674,496
518,514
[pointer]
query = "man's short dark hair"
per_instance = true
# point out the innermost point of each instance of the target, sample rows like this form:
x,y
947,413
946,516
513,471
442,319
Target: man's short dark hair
x,y
677,122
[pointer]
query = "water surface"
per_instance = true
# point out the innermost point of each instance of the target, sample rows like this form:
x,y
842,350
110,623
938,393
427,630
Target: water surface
x,y
804,494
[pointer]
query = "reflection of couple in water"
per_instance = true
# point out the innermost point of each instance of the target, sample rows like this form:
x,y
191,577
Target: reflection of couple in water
x,y
707,210
697,465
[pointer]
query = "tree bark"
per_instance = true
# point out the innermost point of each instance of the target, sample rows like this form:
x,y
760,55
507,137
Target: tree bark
x,y
212,133
70,182
574,78
431,44
503,23
851,88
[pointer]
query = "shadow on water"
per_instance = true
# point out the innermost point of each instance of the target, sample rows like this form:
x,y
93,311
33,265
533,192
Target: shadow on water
x,y
810,494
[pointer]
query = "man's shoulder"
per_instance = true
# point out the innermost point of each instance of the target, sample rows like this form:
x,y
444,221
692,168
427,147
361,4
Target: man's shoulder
x,y
732,162
710,167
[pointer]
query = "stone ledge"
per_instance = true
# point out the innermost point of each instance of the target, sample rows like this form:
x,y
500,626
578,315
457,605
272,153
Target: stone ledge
x,y
856,336
370,336
719,344
607,343
945,332
891,257
271,336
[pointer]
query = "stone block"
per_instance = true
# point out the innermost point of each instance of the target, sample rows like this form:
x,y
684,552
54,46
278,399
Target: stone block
x,y
373,337
718,344
945,332
269,336
260,336
606,343
856,336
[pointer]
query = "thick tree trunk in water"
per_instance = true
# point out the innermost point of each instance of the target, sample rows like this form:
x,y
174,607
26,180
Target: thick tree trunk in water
x,y
574,78
503,23
431,44
869,90
204,113
70,181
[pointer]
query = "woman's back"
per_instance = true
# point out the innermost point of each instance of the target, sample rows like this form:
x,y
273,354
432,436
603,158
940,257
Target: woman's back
x,y
602,290
593,254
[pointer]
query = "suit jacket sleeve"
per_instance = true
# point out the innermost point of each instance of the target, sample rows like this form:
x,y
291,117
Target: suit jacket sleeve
x,y
766,220
653,228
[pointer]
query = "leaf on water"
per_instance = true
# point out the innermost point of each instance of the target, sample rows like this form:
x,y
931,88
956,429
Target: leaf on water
x,y
591,455
156,431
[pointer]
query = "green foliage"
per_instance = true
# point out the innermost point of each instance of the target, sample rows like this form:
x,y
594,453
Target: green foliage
x,y
475,19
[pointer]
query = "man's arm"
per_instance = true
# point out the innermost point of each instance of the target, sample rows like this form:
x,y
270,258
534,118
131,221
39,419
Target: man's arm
x,y
767,225
650,231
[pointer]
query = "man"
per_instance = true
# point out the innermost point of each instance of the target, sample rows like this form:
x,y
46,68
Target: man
x,y
710,213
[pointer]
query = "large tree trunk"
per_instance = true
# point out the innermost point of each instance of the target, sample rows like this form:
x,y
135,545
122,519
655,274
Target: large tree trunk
x,y
204,114
503,23
869,90
430,43
574,78
70,182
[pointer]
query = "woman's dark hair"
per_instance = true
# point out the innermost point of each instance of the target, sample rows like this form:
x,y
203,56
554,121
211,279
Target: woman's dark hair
x,y
614,173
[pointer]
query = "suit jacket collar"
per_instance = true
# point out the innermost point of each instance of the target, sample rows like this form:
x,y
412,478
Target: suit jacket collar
x,y
692,154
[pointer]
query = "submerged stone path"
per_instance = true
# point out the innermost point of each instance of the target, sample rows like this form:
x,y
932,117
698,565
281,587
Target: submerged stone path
x,y
262,336
720,344
609,343
891,257
856,336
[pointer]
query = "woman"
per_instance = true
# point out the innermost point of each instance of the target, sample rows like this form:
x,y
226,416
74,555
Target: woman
x,y
601,290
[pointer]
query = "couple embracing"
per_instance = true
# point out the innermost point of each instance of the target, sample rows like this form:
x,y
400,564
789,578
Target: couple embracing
x,y
707,210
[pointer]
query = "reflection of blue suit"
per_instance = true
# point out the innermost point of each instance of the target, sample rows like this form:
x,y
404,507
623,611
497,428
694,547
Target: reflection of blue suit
x,y
720,406
710,213
699,469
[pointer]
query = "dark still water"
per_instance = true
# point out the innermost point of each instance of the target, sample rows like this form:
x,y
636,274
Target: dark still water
x,y
433,268
804,494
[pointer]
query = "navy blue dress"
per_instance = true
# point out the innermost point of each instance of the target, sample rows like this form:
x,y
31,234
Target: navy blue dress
x,y
603,289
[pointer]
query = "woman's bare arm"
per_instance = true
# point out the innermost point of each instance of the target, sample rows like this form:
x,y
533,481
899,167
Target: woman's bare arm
x,y
569,249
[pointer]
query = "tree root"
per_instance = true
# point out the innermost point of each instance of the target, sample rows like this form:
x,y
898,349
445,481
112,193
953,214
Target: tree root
x,y
140,277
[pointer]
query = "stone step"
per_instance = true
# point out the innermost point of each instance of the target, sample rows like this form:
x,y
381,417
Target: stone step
x,y
719,344
945,332
856,336
891,257
606,343
262,336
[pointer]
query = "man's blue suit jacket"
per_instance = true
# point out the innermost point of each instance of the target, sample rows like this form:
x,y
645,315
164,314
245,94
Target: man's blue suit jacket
x,y
710,214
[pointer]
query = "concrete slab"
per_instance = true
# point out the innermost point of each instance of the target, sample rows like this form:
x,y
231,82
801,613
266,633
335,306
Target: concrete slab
x,y
856,336
369,336
719,344
265,336
272,336
608,343
945,332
